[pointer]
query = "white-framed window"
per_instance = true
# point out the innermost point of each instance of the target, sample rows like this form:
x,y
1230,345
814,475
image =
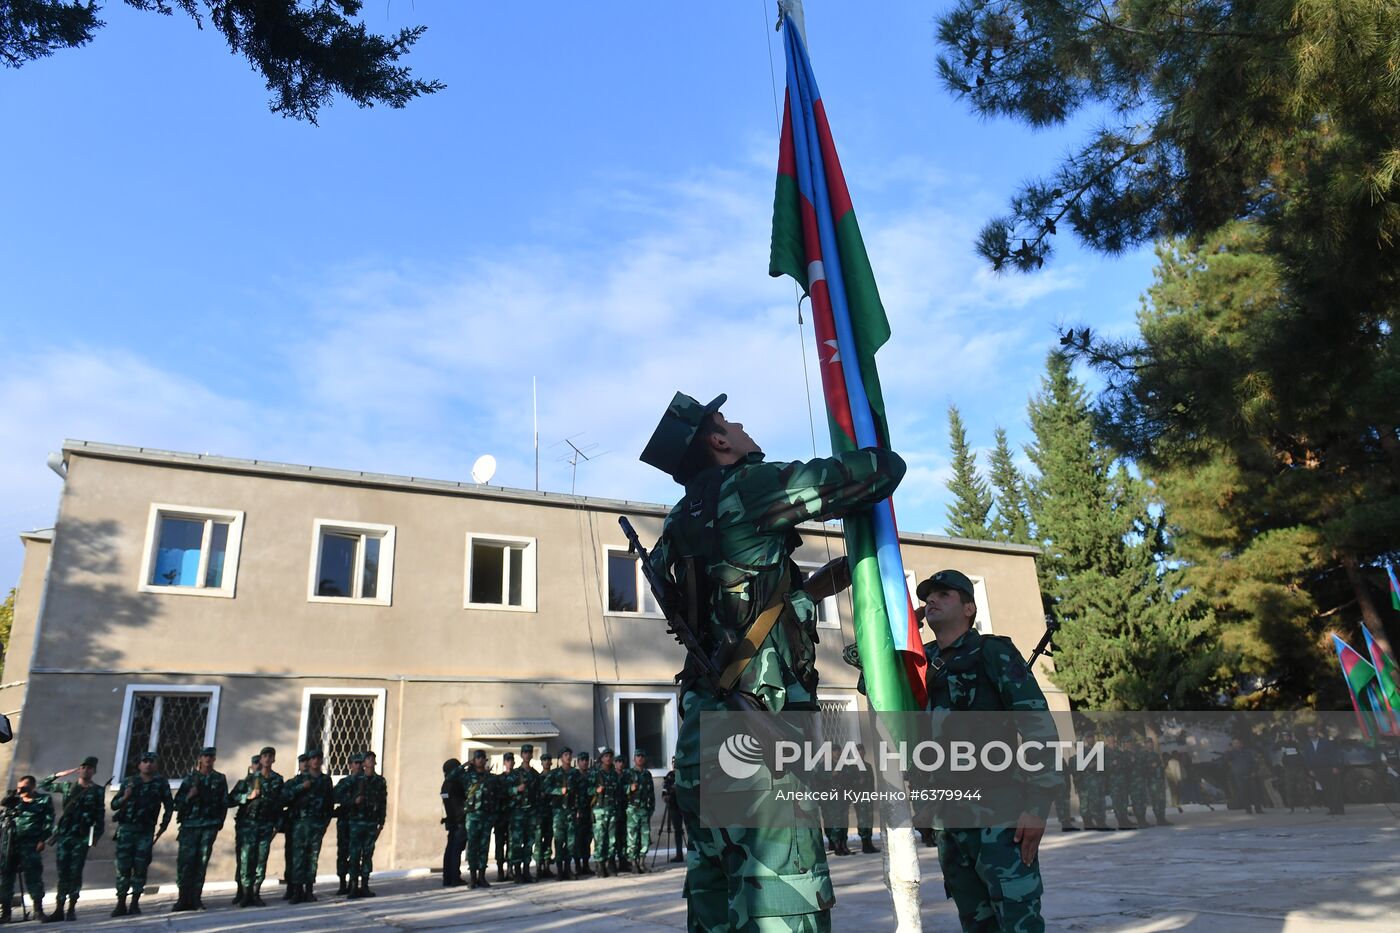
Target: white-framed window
x,y
191,550
648,721
351,562
828,616
500,573
341,721
983,622
838,718
628,592
173,720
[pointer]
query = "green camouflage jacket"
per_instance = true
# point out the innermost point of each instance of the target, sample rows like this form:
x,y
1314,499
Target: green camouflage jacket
x,y
147,799
523,788
82,808
580,790
639,789
480,790
309,797
604,788
34,820
555,785
748,546
202,800
266,807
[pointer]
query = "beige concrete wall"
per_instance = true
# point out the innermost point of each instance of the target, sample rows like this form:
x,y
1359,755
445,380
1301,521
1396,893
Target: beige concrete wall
x,y
29,597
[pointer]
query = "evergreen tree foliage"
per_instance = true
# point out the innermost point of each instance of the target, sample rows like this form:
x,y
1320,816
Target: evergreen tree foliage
x,y
972,502
307,50
1013,521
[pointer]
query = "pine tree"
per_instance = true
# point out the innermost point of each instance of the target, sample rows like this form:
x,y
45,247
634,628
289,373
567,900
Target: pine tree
x,y
972,503
1013,520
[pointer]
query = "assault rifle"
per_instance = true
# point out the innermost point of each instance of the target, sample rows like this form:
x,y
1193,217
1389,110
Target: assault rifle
x,y
1046,645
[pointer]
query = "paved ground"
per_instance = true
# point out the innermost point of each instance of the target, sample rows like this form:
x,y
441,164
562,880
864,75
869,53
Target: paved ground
x,y
1277,873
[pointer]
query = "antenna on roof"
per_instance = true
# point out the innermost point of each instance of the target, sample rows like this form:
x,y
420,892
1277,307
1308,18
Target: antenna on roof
x,y
483,469
576,454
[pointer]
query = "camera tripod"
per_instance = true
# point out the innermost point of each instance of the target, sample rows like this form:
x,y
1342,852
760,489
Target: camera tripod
x,y
7,857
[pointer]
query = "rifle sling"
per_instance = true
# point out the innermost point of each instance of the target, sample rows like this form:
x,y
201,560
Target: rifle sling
x,y
748,646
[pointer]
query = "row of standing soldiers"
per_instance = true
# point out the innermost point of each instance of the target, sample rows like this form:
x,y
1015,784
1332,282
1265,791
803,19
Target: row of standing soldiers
x,y
561,818
1134,779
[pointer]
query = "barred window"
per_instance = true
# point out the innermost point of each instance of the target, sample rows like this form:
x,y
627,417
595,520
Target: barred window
x,y
837,721
173,725
340,724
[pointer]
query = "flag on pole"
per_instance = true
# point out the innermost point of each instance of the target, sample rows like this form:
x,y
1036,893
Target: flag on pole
x,y
1394,589
1387,682
1360,677
816,241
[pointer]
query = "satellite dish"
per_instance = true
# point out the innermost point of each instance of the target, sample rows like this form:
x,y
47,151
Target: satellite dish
x,y
483,469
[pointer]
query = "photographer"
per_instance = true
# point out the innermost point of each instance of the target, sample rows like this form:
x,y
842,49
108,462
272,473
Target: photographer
x,y
28,822
80,825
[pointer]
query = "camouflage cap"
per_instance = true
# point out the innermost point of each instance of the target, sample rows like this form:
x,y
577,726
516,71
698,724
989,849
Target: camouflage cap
x,y
639,754
674,432
546,756
267,750
604,751
257,760
508,756
314,753
478,755
583,756
208,750
527,748
148,756
357,757
945,580
566,750
301,759
90,761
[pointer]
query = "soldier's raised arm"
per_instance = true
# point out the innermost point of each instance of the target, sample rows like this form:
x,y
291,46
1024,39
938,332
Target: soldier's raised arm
x,y
782,495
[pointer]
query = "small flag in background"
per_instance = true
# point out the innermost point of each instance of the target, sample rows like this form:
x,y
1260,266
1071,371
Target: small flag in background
x,y
1360,677
1387,682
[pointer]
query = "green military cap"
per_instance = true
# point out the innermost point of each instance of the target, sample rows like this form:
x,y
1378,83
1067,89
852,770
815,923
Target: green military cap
x,y
508,756
604,751
257,759
527,747
314,753
566,750
301,757
208,750
946,580
90,761
583,756
639,754
267,750
357,757
676,430
478,754
546,756
148,756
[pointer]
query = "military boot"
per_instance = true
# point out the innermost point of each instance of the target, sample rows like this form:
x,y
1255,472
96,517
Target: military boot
x,y
72,913
135,909
296,893
564,873
481,881
500,872
602,868
867,846
544,871
637,868
238,898
310,893
365,889
257,895
46,918
118,911
182,901
344,886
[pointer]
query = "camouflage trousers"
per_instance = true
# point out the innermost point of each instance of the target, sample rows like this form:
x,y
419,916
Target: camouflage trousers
x,y
992,888
29,860
745,880
1118,790
544,836
583,834
835,814
1137,795
196,842
478,840
523,826
240,838
562,830
1157,794
865,820
133,844
638,832
253,850
306,850
342,847
1089,785
604,833
1062,810
502,828
70,855
362,836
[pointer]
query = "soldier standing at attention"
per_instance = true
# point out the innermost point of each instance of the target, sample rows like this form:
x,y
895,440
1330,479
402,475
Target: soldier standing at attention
x,y
478,789
310,801
240,835
865,806
202,805
368,809
835,814
525,815
602,798
620,817
138,803
672,819
80,824
454,819
640,792
580,792
728,547
992,873
284,826
504,804
260,802
342,821
33,821
1090,784
555,785
1118,763
544,829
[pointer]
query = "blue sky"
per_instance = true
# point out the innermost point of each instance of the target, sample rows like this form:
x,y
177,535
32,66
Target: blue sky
x,y
587,203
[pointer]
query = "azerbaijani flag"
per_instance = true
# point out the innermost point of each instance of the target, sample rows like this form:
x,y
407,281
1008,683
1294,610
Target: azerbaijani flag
x,y
1360,677
1387,682
817,242
1394,589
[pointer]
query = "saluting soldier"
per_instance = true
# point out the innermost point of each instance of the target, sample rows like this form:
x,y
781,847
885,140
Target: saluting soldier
x,y
367,812
284,826
260,802
523,792
640,791
310,801
81,823
138,803
342,822
504,805
202,806
583,815
33,821
240,819
556,784
603,796
544,829
479,803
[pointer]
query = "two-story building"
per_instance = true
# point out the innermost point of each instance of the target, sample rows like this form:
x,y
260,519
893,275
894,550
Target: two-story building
x,y
183,600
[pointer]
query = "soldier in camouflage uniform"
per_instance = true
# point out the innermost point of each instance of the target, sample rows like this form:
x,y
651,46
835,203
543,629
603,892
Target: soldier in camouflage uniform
x,y
284,826
835,813
1155,775
240,835
342,823
555,787
202,807
310,802
544,830
504,868
32,813
604,791
865,806
620,818
81,823
580,793
992,873
639,790
1090,785
478,788
1118,765
139,801
259,801
736,526
369,805
522,792
1138,778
